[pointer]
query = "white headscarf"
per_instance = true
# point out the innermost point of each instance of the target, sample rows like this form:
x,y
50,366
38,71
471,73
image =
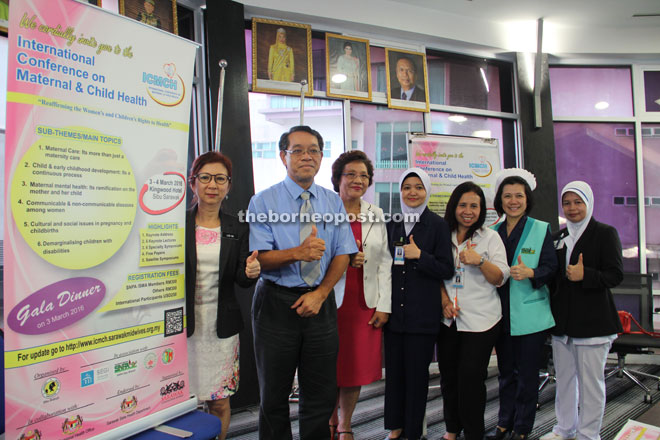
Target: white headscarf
x,y
575,229
426,181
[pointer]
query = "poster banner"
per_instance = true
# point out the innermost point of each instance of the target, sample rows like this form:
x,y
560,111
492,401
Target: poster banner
x,y
98,110
452,160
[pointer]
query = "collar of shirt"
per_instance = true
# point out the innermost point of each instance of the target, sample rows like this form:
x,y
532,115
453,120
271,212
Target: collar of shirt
x,y
408,93
295,190
478,234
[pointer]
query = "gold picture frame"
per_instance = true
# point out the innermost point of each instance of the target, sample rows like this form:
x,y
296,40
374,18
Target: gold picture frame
x,y
163,16
403,68
4,17
281,57
347,67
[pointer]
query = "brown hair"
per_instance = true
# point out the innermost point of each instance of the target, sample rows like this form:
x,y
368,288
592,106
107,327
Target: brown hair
x,y
346,158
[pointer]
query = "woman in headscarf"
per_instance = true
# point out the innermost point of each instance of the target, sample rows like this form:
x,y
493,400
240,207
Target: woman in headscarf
x,y
590,263
421,248
280,59
525,303
472,311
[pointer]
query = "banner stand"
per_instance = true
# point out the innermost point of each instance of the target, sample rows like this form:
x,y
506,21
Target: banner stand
x,y
153,420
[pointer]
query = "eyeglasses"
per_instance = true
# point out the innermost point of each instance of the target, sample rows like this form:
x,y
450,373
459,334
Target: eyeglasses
x,y
220,179
352,176
297,152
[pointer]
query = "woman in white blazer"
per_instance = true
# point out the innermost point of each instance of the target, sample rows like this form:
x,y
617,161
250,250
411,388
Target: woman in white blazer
x,y
363,295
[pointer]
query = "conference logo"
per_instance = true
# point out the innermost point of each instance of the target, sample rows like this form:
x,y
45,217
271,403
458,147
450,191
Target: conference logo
x,y
72,425
125,367
150,361
51,388
167,356
172,390
165,87
31,435
128,405
483,168
86,378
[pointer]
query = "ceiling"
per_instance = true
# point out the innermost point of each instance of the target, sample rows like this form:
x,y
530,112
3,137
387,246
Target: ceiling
x,y
572,29
592,13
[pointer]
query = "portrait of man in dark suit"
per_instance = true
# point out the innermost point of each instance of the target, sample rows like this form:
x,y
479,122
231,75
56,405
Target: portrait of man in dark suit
x,y
406,75
406,80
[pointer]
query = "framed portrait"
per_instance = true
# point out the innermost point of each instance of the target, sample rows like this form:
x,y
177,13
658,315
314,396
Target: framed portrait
x,y
347,67
157,13
407,83
4,16
281,56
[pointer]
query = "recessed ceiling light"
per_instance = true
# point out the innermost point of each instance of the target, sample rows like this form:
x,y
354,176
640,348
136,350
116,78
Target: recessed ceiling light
x,y
339,78
602,105
457,118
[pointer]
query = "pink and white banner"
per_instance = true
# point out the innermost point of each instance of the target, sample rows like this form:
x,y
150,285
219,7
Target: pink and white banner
x,y
98,108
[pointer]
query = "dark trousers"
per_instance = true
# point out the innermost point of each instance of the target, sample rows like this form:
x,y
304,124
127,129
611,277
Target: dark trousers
x,y
518,360
283,341
463,360
407,360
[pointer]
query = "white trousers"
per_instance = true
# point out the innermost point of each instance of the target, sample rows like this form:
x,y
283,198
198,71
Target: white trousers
x,y
580,372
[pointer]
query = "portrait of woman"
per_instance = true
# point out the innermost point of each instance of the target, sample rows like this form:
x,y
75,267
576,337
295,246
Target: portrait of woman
x,y
281,56
280,59
364,294
347,67
217,257
160,14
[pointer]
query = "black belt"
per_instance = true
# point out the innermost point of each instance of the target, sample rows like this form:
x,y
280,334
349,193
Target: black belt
x,y
296,290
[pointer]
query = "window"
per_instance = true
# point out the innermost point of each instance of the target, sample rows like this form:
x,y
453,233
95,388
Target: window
x,y
652,90
465,81
593,153
651,154
388,197
591,91
391,146
267,150
380,133
272,115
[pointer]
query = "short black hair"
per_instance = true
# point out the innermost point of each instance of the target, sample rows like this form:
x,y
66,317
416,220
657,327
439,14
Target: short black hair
x,y
347,44
410,60
512,180
452,204
284,139
346,158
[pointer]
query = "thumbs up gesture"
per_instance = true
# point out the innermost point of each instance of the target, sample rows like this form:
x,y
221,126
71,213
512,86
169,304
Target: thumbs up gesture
x,y
411,251
357,260
521,271
312,248
469,255
252,266
576,272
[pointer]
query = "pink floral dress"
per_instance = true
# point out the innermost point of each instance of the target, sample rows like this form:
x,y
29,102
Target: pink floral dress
x,y
214,370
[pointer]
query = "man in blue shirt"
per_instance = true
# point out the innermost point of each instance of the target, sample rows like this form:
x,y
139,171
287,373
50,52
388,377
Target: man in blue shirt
x,y
294,314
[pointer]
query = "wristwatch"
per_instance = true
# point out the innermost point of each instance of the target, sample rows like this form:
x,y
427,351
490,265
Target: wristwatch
x,y
482,261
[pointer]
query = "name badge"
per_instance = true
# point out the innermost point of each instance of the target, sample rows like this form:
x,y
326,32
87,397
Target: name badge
x,y
229,235
399,254
459,277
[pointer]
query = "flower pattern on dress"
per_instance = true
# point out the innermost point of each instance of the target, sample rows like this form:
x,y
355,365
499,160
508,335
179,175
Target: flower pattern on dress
x,y
229,385
205,236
